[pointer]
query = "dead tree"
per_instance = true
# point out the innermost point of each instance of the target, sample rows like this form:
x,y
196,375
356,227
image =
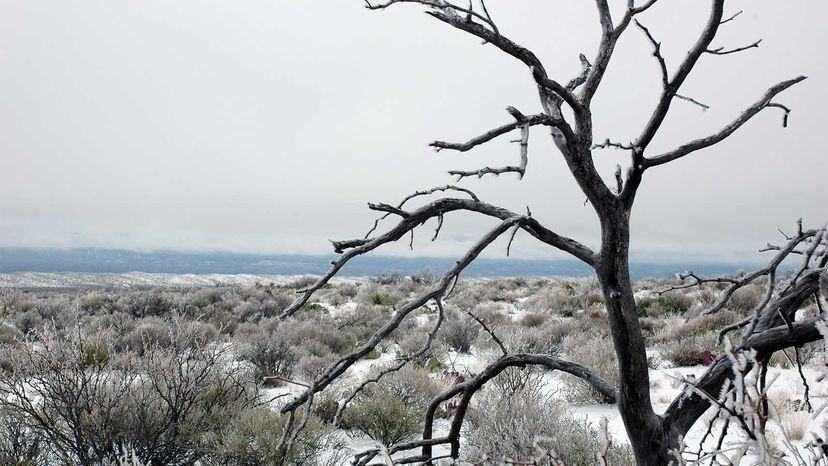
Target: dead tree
x,y
771,328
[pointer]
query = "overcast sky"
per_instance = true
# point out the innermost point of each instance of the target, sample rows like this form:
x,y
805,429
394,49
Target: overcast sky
x,y
266,125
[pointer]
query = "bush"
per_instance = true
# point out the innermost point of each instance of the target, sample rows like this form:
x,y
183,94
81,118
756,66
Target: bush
x,y
270,354
383,417
746,299
533,319
596,353
89,406
667,303
252,439
545,339
507,424
687,351
391,410
148,332
20,445
458,332
9,335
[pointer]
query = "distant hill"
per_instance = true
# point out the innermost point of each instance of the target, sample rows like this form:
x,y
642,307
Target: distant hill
x,y
173,262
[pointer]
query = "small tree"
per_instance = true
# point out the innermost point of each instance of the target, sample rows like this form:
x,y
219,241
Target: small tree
x,y
771,327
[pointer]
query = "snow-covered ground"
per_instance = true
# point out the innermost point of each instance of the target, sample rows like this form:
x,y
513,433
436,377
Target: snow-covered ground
x,y
666,383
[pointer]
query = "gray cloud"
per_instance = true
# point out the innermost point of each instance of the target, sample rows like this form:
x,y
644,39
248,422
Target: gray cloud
x,y
265,126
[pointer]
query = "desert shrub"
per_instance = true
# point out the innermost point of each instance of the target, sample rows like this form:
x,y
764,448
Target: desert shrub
x,y
533,319
363,321
424,277
506,425
384,418
20,445
666,303
300,282
9,335
491,313
270,354
687,350
95,354
391,410
745,299
311,366
325,408
267,306
119,323
146,304
348,290
316,336
545,339
706,323
148,332
388,278
90,406
28,321
413,341
552,299
252,439
458,332
205,297
596,353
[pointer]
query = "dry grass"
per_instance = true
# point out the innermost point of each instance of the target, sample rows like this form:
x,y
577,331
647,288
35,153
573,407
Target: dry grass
x,y
795,423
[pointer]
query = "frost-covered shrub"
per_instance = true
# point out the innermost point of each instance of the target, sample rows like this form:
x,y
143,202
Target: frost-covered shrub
x,y
20,445
458,331
90,405
270,354
533,319
491,312
311,366
664,304
391,411
147,304
697,326
552,299
363,321
594,352
318,336
412,341
387,278
504,425
745,299
688,350
252,439
544,339
28,320
148,332
9,334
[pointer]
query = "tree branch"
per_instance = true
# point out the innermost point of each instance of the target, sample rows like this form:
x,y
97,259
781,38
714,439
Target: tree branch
x,y
663,105
722,51
434,292
419,216
708,141
396,366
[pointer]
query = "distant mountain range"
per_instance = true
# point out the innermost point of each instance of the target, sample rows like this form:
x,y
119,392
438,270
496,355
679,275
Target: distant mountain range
x,y
172,262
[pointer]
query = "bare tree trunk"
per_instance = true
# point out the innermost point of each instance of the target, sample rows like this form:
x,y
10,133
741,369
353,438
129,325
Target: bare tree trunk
x,y
647,436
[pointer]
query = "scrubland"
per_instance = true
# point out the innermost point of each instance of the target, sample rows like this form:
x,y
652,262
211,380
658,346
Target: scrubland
x,y
196,375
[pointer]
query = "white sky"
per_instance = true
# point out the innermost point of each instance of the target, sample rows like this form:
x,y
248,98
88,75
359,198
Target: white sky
x,y
265,126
